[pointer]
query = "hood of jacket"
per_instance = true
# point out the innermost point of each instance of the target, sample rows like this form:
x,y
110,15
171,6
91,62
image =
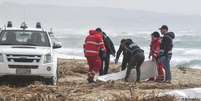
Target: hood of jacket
x,y
92,32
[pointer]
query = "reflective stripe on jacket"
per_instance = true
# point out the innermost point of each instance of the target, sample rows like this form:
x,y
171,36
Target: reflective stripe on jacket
x,y
93,44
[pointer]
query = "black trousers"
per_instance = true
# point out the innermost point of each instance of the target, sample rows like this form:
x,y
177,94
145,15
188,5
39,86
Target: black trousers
x,y
124,62
135,62
105,65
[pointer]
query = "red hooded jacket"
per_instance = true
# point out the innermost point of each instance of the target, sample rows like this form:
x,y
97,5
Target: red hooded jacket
x,y
155,48
93,44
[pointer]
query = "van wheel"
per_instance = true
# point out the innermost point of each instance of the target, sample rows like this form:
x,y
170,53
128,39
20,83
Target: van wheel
x,y
53,80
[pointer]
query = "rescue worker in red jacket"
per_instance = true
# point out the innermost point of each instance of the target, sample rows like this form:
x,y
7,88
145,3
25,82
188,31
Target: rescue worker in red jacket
x,y
93,46
155,54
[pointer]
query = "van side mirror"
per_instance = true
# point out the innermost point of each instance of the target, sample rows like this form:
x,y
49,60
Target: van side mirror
x,y
57,45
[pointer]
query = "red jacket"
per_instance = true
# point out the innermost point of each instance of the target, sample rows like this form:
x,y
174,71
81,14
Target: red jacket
x,y
93,44
155,48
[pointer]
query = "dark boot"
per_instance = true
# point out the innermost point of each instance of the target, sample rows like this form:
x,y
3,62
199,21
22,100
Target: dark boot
x,y
160,78
90,78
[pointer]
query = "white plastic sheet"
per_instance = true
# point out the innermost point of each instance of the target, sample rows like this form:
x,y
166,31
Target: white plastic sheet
x,y
148,70
194,93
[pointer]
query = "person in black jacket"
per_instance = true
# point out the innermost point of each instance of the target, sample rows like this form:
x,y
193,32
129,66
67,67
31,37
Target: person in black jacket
x,y
166,51
133,57
125,55
110,50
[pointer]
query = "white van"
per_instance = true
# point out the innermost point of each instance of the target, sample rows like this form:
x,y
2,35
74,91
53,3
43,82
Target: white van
x,y
28,52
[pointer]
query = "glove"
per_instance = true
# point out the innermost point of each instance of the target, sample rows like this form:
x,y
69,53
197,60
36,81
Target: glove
x,y
113,54
149,57
104,56
116,61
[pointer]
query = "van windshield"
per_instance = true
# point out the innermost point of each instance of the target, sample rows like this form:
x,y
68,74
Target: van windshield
x,y
22,37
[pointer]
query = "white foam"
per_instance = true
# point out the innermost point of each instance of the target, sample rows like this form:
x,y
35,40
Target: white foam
x,y
180,55
185,93
63,56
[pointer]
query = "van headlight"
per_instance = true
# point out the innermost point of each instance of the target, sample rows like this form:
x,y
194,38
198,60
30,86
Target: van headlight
x,y
1,58
48,58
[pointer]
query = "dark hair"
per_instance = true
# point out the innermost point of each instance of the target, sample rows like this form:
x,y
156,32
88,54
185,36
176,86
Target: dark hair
x,y
123,40
98,29
38,25
9,24
164,27
155,34
129,41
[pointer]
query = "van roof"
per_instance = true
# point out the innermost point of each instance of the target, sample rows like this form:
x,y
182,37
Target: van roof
x,y
28,29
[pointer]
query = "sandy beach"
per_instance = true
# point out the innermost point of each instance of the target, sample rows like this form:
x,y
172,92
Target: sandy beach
x,y
73,86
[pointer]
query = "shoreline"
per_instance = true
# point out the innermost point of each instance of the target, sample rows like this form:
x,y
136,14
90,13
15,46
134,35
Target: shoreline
x,y
174,64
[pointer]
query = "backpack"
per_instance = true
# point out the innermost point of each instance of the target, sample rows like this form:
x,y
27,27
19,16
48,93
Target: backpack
x,y
133,48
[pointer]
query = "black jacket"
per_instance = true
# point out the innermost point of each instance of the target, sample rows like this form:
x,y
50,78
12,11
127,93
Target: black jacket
x,y
167,43
109,44
120,50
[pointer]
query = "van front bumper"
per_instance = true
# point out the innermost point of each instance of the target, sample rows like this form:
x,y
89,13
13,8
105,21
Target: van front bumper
x,y
24,69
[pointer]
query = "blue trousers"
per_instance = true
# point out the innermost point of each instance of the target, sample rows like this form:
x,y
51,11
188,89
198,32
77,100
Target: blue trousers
x,y
165,60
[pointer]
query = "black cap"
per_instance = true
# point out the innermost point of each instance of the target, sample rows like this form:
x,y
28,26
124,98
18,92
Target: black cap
x,y
164,27
123,40
98,29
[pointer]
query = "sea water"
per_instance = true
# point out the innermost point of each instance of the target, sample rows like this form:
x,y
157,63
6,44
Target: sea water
x,y
186,51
